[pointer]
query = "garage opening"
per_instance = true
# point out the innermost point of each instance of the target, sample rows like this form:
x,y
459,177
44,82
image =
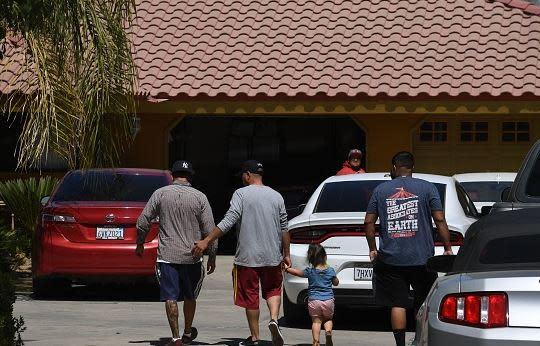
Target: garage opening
x,y
298,153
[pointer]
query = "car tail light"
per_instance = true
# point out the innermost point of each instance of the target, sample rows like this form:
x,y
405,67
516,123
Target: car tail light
x,y
480,310
49,218
310,235
456,239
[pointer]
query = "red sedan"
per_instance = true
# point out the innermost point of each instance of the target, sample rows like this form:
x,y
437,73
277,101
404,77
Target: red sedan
x,y
87,230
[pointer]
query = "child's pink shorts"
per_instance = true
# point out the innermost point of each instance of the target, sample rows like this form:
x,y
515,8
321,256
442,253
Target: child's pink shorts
x,y
321,308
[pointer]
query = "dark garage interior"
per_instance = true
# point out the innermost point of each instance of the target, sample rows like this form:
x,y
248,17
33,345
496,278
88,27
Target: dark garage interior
x,y
298,153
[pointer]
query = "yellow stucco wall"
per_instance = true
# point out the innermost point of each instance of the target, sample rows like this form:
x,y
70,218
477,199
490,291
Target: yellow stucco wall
x,y
389,127
386,135
150,148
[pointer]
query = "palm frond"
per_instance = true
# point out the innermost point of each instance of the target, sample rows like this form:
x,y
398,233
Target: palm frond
x,y
81,101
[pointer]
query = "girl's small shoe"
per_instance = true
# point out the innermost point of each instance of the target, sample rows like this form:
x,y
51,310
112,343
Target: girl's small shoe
x,y
329,341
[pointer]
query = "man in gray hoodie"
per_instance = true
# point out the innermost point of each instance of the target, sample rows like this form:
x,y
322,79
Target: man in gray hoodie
x,y
263,246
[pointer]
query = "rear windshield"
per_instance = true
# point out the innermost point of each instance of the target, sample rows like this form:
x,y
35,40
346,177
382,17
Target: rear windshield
x,y
517,249
108,186
353,196
486,191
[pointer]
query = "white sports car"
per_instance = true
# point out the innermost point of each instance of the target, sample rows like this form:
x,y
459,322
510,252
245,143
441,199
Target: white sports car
x,y
485,189
491,295
334,217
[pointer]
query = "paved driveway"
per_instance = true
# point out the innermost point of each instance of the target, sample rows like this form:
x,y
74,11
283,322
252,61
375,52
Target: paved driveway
x,y
123,315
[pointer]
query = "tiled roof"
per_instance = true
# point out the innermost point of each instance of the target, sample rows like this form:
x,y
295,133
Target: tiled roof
x,y
526,6
186,48
330,47
14,74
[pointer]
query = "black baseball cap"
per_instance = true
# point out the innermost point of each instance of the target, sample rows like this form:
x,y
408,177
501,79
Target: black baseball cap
x,y
183,166
252,166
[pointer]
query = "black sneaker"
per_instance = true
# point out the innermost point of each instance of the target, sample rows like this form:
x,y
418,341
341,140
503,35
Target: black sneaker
x,y
248,342
186,340
277,337
329,341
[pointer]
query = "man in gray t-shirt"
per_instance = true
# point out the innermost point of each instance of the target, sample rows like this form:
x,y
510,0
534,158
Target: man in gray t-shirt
x,y
263,245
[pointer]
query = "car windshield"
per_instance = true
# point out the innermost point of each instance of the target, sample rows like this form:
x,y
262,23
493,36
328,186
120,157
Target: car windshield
x,y
515,249
486,191
466,202
532,188
353,196
108,186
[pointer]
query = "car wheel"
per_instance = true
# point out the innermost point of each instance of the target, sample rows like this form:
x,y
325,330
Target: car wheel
x,y
45,288
295,314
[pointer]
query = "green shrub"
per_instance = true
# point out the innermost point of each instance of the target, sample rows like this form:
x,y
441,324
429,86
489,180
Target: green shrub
x,y
10,327
23,198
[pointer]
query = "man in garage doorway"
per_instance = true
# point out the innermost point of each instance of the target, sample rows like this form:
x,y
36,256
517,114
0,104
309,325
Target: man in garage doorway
x,y
263,246
352,165
185,217
405,207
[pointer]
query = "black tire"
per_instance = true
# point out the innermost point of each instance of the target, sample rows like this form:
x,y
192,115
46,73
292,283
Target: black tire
x,y
294,314
50,287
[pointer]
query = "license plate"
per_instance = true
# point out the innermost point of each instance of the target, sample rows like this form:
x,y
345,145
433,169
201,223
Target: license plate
x,y
109,233
363,273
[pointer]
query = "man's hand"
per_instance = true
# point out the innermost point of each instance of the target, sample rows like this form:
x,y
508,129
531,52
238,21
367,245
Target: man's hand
x,y
211,264
199,248
139,250
286,263
373,255
448,252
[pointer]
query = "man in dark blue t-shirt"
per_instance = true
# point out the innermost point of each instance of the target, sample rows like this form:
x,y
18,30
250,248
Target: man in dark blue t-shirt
x,y
405,207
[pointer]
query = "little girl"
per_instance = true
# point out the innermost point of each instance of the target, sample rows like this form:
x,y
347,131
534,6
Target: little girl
x,y
321,277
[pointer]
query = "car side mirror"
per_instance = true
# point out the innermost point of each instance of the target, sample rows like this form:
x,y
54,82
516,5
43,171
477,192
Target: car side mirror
x,y
301,207
486,210
45,200
441,264
505,194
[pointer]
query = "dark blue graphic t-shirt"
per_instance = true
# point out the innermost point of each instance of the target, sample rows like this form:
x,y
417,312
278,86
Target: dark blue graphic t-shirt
x,y
404,206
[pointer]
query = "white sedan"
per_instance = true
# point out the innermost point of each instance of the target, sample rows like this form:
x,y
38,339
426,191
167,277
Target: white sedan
x,y
334,217
485,189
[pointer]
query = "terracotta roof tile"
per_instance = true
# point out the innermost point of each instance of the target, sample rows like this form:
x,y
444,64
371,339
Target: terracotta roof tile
x,y
335,47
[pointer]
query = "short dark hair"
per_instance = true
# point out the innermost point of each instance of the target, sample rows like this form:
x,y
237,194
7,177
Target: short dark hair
x,y
403,159
316,255
182,174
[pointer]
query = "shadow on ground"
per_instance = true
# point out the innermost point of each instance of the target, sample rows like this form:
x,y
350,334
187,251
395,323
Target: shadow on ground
x,y
354,319
141,292
224,341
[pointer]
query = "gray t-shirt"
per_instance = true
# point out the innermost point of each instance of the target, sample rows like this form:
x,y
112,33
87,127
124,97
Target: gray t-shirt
x,y
404,206
260,214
